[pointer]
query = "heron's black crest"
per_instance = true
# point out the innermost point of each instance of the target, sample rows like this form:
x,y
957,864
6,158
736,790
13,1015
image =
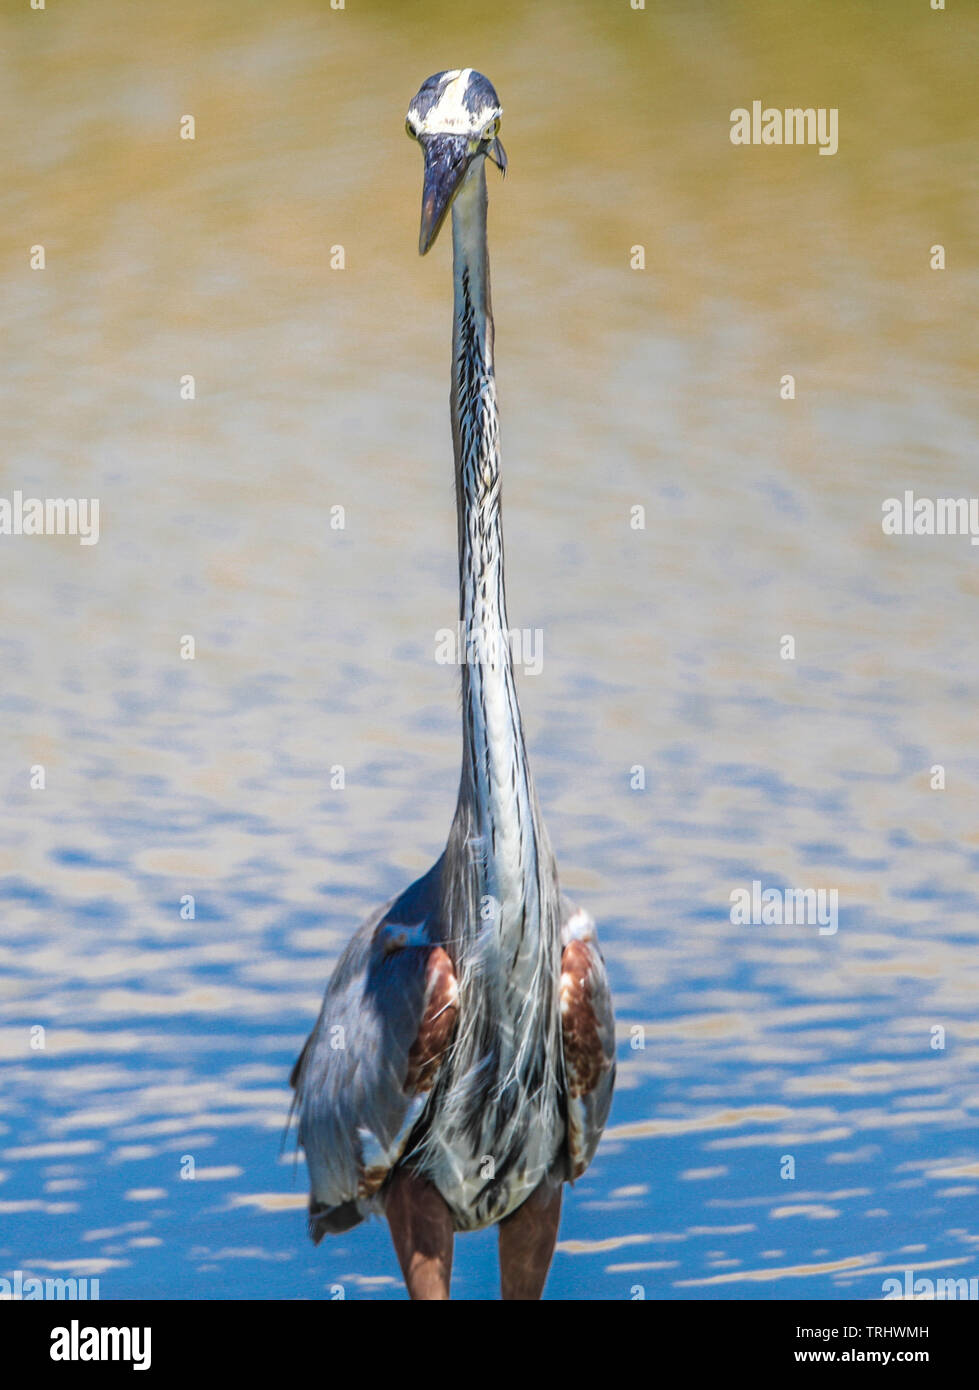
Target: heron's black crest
x,y
480,93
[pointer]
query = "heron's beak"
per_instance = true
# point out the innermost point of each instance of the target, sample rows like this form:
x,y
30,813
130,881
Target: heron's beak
x,y
447,158
497,154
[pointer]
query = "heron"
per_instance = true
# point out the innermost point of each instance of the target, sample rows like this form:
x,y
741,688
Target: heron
x,y
461,1068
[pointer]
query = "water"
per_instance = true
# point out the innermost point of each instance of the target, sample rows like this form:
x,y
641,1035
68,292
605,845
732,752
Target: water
x,y
167,1039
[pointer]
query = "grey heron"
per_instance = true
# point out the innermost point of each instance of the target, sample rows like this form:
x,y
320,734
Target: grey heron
x,y
462,1065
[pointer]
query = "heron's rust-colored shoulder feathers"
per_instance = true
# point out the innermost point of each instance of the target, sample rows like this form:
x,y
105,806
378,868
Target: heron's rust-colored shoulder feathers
x,y
437,1025
588,1035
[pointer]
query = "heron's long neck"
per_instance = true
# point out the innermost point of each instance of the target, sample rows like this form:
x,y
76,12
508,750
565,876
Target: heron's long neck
x,y
496,781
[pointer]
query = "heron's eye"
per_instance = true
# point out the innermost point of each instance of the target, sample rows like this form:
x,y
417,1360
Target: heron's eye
x,y
410,130
491,130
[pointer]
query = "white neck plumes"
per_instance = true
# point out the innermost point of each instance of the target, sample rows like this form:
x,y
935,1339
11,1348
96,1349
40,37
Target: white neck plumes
x,y
495,773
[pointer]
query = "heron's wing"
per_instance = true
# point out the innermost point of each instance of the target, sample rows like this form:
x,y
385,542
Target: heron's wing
x,y
588,1032
364,1075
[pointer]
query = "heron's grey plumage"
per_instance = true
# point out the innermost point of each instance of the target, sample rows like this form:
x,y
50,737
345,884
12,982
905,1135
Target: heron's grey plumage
x,y
507,1110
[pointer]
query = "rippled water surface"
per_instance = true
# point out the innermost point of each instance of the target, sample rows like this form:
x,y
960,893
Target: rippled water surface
x,y
168,1039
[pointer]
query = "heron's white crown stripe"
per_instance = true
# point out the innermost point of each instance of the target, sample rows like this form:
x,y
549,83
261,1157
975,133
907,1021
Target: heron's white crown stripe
x,y
450,114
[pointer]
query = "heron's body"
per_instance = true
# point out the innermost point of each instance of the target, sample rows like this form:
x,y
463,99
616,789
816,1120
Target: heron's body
x,y
465,1041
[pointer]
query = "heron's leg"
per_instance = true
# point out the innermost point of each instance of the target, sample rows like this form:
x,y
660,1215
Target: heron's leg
x,y
527,1240
421,1228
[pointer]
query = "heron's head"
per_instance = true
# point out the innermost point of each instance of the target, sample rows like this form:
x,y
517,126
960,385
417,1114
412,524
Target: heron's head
x,y
455,118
